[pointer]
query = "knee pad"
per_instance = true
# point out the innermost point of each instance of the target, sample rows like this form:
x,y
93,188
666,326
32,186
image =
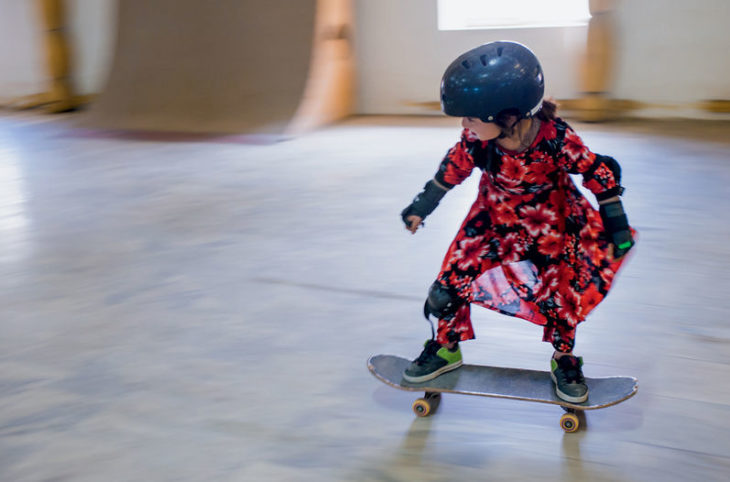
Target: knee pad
x,y
442,302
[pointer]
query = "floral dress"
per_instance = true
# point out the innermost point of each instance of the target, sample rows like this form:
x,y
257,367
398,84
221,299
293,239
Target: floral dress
x,y
531,245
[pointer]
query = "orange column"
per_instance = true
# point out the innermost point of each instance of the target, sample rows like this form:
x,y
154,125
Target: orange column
x,y
329,93
59,97
595,104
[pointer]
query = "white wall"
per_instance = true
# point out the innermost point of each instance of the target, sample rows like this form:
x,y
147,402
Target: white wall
x,y
673,51
92,25
668,52
22,60
21,67
402,54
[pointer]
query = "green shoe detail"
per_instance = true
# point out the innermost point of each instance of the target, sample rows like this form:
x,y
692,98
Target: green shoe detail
x,y
568,378
554,363
450,356
433,361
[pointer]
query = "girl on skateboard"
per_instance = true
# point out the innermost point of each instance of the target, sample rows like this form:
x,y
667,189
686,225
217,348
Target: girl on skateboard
x,y
531,245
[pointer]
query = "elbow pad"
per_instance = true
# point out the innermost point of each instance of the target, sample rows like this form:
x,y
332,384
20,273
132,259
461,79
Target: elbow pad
x,y
425,202
608,161
612,165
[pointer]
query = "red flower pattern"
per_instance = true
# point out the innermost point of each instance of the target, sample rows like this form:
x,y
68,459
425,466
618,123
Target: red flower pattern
x,y
538,173
537,219
569,306
506,214
529,211
470,253
512,248
513,171
550,245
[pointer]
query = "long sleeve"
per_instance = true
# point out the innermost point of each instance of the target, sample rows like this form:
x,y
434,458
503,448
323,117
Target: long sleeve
x,y
601,174
458,163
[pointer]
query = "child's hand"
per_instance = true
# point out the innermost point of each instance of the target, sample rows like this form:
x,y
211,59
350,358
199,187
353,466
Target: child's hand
x,y
612,253
414,222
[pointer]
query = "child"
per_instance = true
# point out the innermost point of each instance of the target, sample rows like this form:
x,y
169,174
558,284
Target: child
x,y
531,245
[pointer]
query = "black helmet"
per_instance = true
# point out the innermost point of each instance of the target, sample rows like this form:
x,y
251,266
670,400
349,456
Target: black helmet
x,y
492,78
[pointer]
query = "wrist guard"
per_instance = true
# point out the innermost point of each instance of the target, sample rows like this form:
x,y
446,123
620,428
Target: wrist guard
x,y
424,203
617,226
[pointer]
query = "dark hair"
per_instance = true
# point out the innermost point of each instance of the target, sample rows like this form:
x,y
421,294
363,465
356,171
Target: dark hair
x,y
547,112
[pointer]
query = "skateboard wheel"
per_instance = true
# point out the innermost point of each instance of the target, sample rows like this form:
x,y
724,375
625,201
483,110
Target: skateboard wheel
x,y
422,407
569,422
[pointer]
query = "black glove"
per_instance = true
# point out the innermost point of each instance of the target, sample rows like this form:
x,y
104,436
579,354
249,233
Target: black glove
x,y
424,203
617,226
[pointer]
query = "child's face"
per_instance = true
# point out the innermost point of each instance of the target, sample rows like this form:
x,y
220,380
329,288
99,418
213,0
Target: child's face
x,y
485,131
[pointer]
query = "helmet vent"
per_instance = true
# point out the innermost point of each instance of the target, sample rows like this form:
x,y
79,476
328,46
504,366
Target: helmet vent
x,y
483,59
466,64
499,51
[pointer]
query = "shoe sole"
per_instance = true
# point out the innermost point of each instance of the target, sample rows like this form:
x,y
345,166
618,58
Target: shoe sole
x,y
564,396
432,375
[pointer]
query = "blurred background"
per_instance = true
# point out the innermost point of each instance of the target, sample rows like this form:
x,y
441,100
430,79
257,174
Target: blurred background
x,y
200,242
605,59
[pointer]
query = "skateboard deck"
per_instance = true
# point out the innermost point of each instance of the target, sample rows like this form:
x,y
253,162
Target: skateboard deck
x,y
499,382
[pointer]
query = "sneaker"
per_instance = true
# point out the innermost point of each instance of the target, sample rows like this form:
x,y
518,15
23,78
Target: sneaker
x,y
433,361
568,377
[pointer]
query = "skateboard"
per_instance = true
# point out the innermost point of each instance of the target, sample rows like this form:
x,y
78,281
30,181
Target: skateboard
x,y
499,382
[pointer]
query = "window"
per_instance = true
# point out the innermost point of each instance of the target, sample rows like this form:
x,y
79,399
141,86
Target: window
x,y
487,14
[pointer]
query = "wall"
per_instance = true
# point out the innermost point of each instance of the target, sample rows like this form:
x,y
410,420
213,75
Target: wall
x,y
673,51
402,54
92,25
91,33
21,68
668,52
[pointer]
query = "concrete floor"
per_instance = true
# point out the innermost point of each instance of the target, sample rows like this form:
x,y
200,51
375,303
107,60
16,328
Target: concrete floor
x,y
196,310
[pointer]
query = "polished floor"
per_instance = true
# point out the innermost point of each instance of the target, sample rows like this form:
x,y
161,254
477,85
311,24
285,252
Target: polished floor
x,y
203,310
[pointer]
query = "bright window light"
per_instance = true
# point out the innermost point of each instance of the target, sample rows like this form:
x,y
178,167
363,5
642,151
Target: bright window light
x,y
486,14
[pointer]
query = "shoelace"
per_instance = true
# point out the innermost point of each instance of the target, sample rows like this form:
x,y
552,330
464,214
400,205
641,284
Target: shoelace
x,y
429,351
571,371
